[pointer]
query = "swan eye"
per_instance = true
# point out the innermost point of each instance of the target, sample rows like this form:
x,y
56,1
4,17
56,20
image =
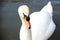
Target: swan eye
x,y
27,17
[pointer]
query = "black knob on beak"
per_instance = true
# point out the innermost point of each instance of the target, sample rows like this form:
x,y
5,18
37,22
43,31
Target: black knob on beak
x,y
27,17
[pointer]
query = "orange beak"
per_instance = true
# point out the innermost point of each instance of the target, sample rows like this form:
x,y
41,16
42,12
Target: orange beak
x,y
27,23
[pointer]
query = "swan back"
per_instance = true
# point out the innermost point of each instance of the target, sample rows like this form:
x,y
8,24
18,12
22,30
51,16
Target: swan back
x,y
48,8
41,22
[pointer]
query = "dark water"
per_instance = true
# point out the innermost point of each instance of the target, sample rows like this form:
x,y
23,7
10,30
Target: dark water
x,y
11,22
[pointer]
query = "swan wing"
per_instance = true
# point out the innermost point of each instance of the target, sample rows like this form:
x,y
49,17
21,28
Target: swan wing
x,y
40,21
50,29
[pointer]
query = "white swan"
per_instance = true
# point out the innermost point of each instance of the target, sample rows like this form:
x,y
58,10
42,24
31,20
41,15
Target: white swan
x,y
42,25
25,33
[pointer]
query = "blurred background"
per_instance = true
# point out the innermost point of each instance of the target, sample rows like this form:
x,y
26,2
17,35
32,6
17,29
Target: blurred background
x,y
10,21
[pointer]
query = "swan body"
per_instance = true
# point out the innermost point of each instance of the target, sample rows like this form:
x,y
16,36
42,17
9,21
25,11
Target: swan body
x,y
42,25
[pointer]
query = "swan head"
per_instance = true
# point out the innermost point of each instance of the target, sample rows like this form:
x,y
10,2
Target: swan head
x,y
24,14
23,10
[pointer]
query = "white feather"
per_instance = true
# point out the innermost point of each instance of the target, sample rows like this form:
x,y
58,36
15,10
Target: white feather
x,y
25,33
42,25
